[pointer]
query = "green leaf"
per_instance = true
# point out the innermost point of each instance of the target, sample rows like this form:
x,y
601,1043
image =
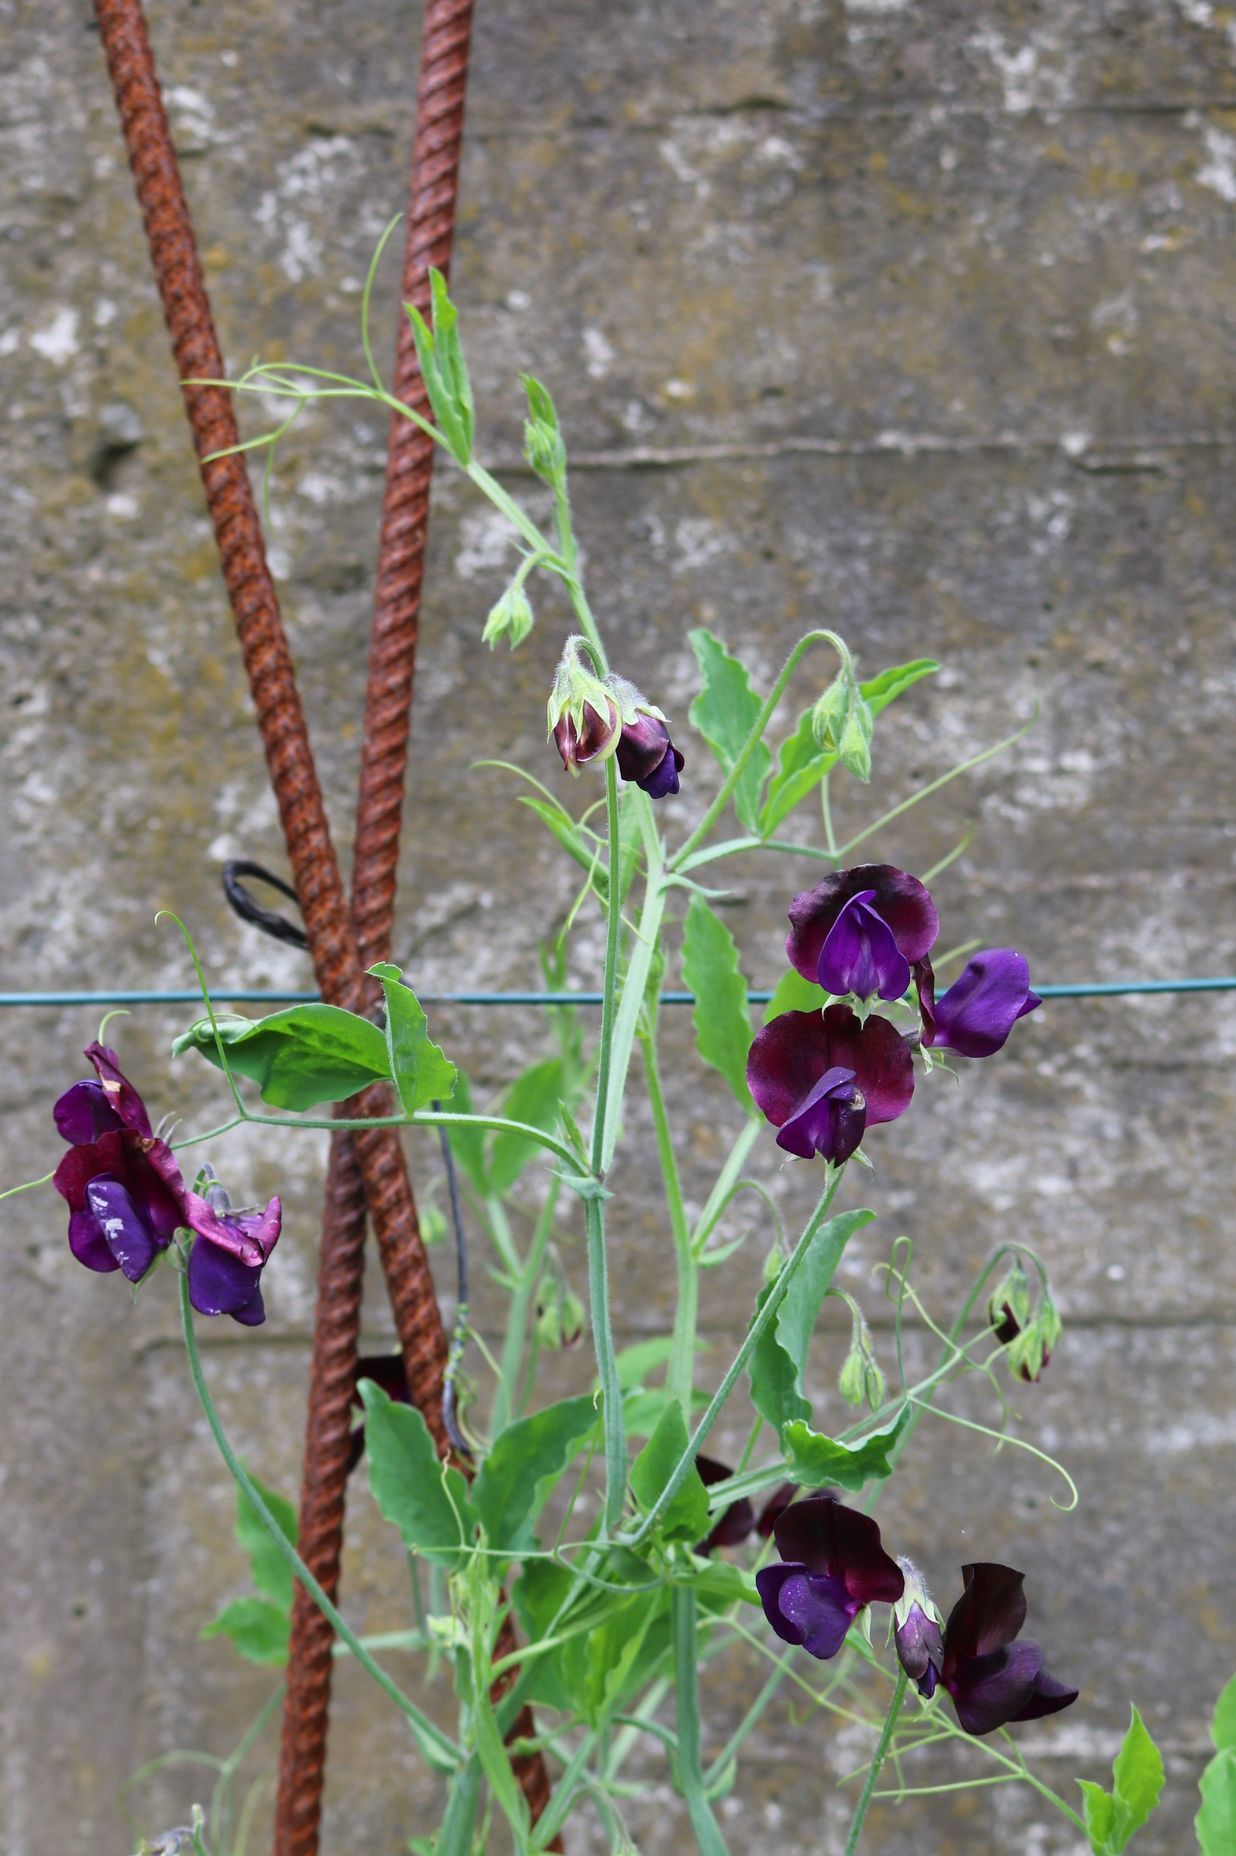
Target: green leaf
x,y
720,1584
725,712
421,1074
533,1097
815,1460
722,1022
1114,1818
524,1464
686,1518
270,1572
298,1057
776,1364
567,832
801,765
443,369
879,691
1216,1821
793,993
259,1629
1223,1721
413,1488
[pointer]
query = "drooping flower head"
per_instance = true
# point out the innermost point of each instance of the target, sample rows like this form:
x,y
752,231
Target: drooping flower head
x,y
862,931
976,1014
592,717
823,1078
646,755
992,1677
229,1252
916,1632
832,1565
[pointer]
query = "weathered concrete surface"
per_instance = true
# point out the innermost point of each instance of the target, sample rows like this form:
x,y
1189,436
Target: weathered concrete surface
x,y
910,320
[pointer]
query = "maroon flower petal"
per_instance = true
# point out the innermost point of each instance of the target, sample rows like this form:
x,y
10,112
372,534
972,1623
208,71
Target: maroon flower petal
x,y
248,1236
786,1060
830,1539
989,1690
880,1057
1048,1698
119,1090
84,1112
986,1617
735,1523
898,898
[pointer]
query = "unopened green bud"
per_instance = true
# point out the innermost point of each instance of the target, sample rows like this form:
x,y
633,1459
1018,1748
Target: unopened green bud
x,y
861,1381
854,741
829,713
512,618
432,1221
543,446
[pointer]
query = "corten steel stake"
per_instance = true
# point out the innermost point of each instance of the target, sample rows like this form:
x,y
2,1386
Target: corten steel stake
x,y
380,1171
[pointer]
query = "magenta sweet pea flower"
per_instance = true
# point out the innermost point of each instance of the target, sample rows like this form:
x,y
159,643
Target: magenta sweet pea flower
x,y
976,1014
862,931
823,1078
832,1566
124,1190
228,1255
993,1678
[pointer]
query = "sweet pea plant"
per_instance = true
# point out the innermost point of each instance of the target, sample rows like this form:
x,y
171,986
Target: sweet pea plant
x,y
630,1556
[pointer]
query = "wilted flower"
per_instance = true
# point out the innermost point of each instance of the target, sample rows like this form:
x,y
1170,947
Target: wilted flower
x,y
832,1566
862,931
976,1014
823,1078
125,1193
992,1678
916,1632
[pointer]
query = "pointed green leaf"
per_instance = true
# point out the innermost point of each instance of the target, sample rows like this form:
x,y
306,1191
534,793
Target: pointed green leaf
x,y
414,1489
533,1097
1099,1812
1137,1772
259,1629
270,1572
523,1466
1216,1821
879,691
1223,1721
801,765
724,712
776,1364
421,1074
299,1057
686,1518
722,1022
815,1460
793,993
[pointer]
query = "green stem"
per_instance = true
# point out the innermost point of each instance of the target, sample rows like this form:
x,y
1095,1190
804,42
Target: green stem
x,y
759,1325
753,740
688,1772
635,984
439,1750
748,1723
507,1396
719,1197
455,1838
680,1376
933,786
877,1760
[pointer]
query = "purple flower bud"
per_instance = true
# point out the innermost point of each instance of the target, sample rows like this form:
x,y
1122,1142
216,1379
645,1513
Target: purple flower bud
x,y
647,756
992,1678
591,739
860,931
832,1567
823,1078
916,1633
976,1014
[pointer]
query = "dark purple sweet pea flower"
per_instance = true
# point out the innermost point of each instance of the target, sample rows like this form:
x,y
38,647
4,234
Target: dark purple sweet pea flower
x,y
916,1633
387,1371
832,1566
992,1678
823,1078
862,931
124,1190
648,757
588,739
734,1524
775,1507
228,1254
976,1014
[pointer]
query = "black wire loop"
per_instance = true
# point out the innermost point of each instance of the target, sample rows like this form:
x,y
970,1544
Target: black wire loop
x,y
249,910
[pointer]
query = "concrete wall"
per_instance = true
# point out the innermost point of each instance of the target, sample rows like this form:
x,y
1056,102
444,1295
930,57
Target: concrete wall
x,y
911,319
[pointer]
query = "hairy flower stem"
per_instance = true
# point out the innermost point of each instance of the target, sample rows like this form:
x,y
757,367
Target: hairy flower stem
x,y
877,1760
759,1325
680,1377
439,1750
598,1279
688,1772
